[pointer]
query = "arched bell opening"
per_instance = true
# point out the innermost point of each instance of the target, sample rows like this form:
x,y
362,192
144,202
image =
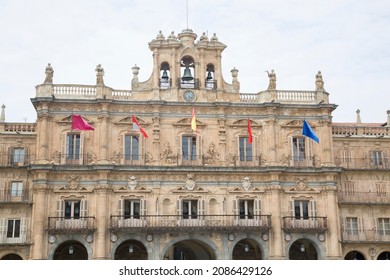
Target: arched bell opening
x,y
210,78
165,80
187,70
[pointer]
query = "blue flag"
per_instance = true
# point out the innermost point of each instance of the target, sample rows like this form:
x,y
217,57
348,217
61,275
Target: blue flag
x,y
308,131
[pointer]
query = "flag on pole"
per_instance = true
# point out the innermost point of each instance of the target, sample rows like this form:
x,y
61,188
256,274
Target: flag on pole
x,y
250,132
308,131
137,127
78,123
193,120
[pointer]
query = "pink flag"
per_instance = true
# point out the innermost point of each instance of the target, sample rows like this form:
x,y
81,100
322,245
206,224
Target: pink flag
x,y
78,123
137,127
250,132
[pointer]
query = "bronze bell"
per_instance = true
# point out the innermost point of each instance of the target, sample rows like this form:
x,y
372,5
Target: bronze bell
x,y
187,75
209,76
165,75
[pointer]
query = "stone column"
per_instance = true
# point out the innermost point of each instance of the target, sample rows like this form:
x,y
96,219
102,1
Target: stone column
x,y
333,246
277,245
103,135
102,211
42,136
39,217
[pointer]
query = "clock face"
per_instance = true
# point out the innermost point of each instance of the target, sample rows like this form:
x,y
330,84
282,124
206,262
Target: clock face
x,y
189,96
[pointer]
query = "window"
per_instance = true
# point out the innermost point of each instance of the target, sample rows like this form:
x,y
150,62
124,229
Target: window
x,y
301,209
16,188
132,209
131,147
351,224
246,208
189,147
72,209
377,158
13,228
73,147
245,149
384,226
18,155
298,149
190,209
346,156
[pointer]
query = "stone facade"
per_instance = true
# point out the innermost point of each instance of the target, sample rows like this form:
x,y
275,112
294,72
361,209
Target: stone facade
x,y
180,193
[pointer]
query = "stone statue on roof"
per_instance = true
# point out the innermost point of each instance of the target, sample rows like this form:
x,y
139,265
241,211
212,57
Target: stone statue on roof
x,y
272,80
319,81
49,74
99,75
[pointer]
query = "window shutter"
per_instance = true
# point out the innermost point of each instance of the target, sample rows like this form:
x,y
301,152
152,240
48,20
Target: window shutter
x,y
84,208
23,229
309,150
60,209
371,155
290,152
313,208
257,207
3,230
81,148
199,147
143,209
291,208
201,208
64,148
120,209
11,156
26,156
385,160
178,209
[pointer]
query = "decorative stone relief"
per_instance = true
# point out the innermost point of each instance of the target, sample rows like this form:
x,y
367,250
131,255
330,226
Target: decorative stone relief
x,y
132,183
167,155
190,182
246,183
212,156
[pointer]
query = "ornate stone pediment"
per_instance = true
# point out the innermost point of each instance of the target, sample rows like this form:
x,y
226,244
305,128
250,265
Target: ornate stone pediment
x,y
187,122
244,122
128,121
296,124
68,120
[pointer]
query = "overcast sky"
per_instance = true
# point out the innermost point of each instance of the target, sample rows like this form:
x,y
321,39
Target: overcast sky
x,y
348,40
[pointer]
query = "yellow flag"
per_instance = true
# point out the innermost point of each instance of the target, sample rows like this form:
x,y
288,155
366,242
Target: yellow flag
x,y
193,120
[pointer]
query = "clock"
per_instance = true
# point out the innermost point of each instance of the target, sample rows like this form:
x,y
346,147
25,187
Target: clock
x,y
189,96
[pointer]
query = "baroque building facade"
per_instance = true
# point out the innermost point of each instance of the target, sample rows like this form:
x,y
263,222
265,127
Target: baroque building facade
x,y
245,184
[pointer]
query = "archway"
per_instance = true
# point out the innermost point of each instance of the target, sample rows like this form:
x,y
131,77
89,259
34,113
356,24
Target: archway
x,y
71,250
247,249
384,255
12,257
302,249
189,250
131,250
354,255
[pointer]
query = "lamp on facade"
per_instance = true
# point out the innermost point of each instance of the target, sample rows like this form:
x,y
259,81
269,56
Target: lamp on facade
x,y
303,248
246,248
71,250
131,249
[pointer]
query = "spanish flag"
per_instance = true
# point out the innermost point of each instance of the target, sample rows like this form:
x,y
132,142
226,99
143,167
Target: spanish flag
x,y
193,120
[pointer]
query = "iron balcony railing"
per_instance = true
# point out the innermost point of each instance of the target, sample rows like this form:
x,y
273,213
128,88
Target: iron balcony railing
x,y
305,224
192,84
17,238
10,160
364,197
365,235
15,196
62,224
363,163
209,223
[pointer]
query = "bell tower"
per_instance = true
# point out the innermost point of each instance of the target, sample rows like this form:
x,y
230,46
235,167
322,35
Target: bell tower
x,y
187,70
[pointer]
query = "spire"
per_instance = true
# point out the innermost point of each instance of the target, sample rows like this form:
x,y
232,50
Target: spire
x,y
358,119
2,117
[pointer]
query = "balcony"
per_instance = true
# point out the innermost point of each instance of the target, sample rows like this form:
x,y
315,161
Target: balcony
x,y
203,223
296,161
8,160
66,225
363,163
22,237
211,84
363,236
364,197
15,196
309,224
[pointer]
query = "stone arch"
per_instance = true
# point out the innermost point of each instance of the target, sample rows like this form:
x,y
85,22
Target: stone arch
x,y
255,237
62,239
137,237
319,247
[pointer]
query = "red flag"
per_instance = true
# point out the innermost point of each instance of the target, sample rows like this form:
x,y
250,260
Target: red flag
x,y
78,123
137,127
250,132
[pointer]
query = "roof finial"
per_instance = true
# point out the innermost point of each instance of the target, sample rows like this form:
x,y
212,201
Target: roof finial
x,y
2,118
358,119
